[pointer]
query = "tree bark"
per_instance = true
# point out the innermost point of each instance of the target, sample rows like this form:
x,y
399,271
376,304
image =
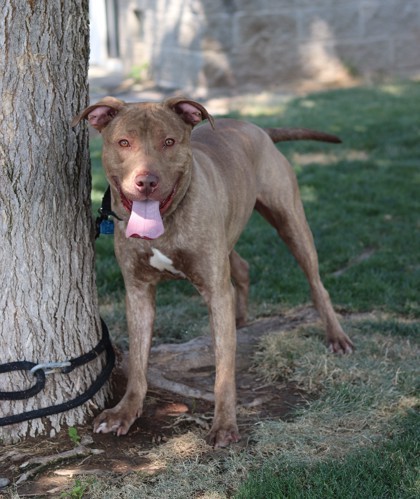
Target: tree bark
x,y
48,300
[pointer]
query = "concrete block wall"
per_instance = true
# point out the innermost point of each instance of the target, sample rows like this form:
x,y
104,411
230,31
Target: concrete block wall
x,y
268,44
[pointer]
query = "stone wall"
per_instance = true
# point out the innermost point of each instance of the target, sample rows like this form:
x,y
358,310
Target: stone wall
x,y
248,44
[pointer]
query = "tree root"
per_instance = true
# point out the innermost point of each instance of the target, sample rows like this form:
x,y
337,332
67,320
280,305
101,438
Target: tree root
x,y
42,462
157,380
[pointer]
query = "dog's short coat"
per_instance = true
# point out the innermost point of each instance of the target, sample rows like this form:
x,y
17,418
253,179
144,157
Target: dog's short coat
x,y
189,195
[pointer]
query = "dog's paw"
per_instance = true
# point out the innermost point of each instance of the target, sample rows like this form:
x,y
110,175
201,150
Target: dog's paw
x,y
113,421
223,437
341,344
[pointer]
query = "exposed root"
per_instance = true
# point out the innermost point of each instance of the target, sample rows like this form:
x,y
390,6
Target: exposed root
x,y
39,463
157,380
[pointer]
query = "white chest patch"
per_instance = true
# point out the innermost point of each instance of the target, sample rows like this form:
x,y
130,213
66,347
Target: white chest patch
x,y
162,262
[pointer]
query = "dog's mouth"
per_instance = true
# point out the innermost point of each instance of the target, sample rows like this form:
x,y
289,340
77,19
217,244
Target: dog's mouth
x,y
145,215
163,205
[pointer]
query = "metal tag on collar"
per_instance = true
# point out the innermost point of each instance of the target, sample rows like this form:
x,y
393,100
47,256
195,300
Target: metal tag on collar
x,y
107,227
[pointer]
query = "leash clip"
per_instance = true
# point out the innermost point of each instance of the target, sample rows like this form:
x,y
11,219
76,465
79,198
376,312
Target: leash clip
x,y
51,367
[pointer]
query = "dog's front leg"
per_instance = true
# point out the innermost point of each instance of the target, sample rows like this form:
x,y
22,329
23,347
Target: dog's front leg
x,y
221,303
140,308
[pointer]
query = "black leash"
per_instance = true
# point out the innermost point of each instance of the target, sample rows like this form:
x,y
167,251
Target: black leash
x,y
40,374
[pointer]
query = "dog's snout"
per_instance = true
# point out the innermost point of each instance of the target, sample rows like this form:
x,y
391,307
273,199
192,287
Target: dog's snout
x,y
146,183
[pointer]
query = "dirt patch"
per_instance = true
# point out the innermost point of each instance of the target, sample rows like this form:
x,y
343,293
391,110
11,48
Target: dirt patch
x,y
165,415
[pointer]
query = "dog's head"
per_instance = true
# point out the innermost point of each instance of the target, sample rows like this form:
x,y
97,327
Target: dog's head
x,y
146,155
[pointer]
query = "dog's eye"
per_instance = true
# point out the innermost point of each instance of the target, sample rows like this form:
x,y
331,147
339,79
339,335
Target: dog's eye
x,y
169,142
124,143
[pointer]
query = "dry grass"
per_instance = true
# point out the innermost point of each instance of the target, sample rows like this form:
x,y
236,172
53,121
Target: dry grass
x,y
359,395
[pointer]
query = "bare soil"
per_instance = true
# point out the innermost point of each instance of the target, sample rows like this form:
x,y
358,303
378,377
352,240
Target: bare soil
x,y
165,414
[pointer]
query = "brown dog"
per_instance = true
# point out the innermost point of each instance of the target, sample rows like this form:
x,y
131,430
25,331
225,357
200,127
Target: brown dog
x,y
184,199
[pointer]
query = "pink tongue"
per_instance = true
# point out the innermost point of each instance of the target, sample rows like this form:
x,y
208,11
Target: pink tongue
x,y
145,220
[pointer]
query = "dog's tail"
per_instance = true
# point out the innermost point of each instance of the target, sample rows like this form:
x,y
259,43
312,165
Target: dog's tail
x,y
285,134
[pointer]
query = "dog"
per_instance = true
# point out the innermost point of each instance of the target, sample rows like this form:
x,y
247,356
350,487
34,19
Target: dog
x,y
184,194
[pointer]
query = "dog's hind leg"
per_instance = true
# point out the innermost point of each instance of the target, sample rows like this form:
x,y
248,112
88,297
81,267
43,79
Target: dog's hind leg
x,y
284,210
239,271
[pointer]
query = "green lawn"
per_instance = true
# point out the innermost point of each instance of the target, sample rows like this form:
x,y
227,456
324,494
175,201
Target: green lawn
x,y
389,471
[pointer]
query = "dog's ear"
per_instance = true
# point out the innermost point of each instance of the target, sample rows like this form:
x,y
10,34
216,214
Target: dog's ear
x,y
190,111
101,113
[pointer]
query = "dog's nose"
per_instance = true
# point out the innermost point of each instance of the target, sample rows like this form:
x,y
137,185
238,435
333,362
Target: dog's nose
x,y
146,183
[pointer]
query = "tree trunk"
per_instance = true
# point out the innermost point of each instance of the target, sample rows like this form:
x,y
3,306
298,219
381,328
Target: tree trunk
x,y
48,300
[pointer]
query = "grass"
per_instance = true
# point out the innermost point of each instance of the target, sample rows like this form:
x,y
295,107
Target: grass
x,y
359,435
389,470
